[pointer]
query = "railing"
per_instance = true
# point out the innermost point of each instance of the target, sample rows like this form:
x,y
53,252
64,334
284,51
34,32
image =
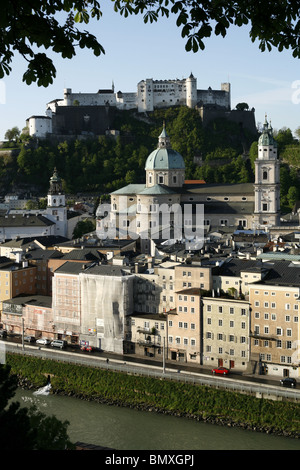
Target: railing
x,y
226,383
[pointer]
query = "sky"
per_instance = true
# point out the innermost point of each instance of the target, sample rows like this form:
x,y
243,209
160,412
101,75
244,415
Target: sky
x,y
134,51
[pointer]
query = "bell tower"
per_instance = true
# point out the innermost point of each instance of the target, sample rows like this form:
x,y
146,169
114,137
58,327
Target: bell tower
x,y
56,207
267,181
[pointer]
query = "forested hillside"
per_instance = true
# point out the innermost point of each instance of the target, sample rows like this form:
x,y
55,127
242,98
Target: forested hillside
x,y
103,164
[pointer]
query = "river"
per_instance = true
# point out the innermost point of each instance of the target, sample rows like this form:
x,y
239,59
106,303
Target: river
x,y
128,429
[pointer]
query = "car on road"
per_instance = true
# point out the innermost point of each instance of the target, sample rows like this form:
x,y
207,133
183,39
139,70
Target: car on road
x,y
3,333
29,339
44,341
288,382
87,348
220,371
58,343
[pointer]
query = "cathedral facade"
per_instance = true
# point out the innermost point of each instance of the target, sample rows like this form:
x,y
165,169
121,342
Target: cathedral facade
x,y
167,201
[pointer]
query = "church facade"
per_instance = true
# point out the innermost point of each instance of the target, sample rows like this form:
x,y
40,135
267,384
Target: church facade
x,y
168,202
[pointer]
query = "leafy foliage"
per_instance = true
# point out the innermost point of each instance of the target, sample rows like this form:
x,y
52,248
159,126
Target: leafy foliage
x,y
27,26
24,428
273,24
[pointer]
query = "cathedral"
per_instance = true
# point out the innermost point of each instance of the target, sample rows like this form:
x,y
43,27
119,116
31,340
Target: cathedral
x,y
155,210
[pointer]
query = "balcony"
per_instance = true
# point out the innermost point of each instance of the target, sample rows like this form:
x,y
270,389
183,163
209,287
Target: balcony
x,y
149,343
263,336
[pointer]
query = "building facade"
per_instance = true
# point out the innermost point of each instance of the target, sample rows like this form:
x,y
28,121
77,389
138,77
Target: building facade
x,y
226,328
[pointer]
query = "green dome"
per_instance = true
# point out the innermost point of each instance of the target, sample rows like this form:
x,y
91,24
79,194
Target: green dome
x,y
164,157
266,137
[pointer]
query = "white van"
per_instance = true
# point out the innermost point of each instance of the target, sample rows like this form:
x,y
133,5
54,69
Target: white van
x,y
58,343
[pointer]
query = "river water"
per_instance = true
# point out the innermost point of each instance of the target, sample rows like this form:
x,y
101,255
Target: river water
x,y
127,429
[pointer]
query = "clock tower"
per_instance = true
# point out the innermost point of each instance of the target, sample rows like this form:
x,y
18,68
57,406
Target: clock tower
x,y
267,181
56,207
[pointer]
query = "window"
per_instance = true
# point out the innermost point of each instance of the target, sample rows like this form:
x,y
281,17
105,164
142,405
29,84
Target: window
x,y
265,207
265,175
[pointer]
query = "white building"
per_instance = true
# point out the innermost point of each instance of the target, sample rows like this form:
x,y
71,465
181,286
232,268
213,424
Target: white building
x,y
155,210
37,223
150,94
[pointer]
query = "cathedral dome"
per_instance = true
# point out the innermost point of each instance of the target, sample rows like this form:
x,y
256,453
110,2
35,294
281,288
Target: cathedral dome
x,y
164,157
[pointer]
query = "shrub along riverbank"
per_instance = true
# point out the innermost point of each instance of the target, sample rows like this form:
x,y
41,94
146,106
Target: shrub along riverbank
x,y
193,401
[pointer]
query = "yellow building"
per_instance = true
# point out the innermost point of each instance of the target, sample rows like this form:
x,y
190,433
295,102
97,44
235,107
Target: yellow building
x,y
184,327
275,326
15,279
226,323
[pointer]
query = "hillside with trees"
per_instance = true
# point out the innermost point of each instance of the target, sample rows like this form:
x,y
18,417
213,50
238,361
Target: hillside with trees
x,y
105,163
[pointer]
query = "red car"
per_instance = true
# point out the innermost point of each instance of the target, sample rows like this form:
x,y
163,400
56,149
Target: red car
x,y
221,370
86,348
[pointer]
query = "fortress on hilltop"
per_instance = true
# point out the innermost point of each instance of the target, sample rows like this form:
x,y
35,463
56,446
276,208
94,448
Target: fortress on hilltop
x,y
86,114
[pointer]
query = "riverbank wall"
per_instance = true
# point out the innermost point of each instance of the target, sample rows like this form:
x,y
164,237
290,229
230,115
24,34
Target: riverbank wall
x,y
197,402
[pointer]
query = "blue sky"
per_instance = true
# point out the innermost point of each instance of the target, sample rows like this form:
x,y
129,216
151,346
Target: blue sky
x,y
269,81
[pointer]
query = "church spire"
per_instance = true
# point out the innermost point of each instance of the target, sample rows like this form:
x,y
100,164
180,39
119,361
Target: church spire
x,y
164,139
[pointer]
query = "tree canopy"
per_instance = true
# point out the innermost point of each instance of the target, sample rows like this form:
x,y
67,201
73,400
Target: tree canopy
x,y
23,428
25,26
